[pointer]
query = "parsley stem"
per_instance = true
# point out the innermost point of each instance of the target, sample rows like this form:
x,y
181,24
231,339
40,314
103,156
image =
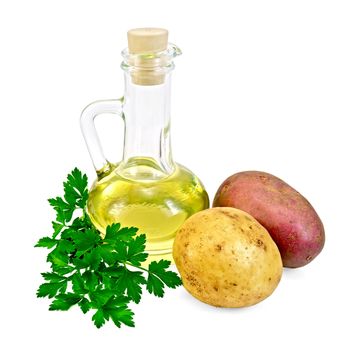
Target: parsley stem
x,y
137,267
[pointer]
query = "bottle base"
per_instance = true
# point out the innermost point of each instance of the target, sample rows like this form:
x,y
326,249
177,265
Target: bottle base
x,y
156,255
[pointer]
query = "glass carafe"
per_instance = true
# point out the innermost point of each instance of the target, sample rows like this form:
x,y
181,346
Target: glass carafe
x,y
146,189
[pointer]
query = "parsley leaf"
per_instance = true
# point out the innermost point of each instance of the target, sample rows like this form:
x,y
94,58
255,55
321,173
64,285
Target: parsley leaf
x,y
53,277
78,284
136,250
85,241
99,318
64,211
75,188
159,269
63,302
103,274
131,282
122,315
85,305
46,242
114,233
49,289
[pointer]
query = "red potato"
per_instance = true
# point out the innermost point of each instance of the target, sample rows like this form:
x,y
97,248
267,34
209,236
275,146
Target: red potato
x,y
289,218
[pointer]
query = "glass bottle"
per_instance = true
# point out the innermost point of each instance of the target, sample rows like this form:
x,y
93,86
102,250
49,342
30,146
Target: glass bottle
x,y
146,189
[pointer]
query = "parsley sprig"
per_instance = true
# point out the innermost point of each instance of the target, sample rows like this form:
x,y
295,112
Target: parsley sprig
x,y
99,274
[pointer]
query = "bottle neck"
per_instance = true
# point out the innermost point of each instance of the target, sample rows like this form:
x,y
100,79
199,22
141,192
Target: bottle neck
x,y
146,112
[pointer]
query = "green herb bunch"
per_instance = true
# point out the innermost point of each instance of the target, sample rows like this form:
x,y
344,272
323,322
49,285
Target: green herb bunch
x,y
100,274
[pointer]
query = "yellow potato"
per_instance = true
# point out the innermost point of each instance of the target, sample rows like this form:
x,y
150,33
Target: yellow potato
x,y
226,258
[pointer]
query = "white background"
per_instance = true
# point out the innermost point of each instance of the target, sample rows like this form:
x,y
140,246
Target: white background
x,y
261,85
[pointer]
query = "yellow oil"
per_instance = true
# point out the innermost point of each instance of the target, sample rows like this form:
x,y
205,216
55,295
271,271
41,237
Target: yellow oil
x,y
140,194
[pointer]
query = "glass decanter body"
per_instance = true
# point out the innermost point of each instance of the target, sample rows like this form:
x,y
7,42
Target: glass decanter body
x,y
146,189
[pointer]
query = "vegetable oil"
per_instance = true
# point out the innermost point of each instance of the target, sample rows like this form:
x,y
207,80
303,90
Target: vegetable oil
x,y
141,195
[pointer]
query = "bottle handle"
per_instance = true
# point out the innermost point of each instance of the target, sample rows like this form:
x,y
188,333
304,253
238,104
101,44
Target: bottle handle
x,y
88,115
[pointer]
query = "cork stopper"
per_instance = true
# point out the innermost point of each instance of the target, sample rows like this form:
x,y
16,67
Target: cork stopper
x,y
143,45
147,40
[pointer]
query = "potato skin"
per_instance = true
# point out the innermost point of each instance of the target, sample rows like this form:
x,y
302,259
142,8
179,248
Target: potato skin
x,y
226,258
289,218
